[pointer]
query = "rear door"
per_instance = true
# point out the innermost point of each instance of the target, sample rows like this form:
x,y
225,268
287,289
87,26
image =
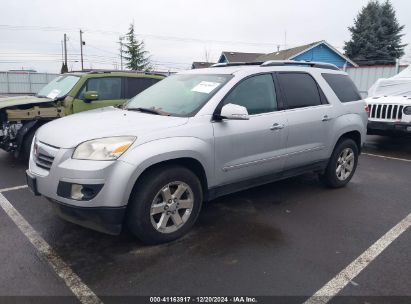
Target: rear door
x,y
109,89
309,117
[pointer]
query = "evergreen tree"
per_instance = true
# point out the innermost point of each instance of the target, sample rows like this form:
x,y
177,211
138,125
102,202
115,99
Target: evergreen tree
x,y
392,30
135,54
375,36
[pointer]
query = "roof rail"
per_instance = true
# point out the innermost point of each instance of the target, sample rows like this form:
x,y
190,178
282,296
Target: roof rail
x,y
313,64
228,64
102,71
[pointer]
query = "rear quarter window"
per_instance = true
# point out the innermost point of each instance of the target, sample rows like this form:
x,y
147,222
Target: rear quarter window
x,y
343,87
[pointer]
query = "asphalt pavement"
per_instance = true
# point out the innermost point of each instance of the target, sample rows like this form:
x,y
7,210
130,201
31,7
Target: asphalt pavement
x,y
286,239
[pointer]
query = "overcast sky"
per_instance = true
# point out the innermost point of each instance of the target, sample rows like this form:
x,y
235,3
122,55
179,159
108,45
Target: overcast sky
x,y
176,32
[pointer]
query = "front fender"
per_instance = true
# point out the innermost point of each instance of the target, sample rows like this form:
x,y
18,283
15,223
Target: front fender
x,y
153,152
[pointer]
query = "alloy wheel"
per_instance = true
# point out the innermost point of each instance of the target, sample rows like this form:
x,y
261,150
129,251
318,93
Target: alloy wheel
x,y
345,164
172,207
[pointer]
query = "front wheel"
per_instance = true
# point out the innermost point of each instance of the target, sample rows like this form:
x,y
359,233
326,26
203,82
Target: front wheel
x,y
165,204
25,149
342,164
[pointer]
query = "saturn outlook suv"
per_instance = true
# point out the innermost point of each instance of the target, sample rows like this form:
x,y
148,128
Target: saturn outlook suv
x,y
195,136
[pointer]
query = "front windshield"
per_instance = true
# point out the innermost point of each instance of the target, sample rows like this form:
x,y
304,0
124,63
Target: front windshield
x,y
179,95
58,87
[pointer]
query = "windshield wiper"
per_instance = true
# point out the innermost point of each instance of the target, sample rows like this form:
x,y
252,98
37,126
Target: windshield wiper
x,y
148,110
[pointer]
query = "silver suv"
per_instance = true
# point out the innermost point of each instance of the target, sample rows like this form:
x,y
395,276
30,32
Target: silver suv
x,y
195,136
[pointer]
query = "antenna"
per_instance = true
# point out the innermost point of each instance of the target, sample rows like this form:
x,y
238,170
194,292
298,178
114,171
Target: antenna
x,y
285,39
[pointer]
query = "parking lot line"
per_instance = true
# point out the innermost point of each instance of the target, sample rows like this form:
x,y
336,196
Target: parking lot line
x,y
387,157
335,285
13,188
84,294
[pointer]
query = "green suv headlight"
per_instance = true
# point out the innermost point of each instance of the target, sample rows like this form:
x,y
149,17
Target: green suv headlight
x,y
109,148
407,110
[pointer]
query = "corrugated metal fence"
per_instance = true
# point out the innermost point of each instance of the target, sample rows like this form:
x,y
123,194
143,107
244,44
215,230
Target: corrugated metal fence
x,y
364,77
31,83
23,82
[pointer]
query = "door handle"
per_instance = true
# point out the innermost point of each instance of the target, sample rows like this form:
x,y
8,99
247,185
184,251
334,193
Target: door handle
x,y
326,118
277,126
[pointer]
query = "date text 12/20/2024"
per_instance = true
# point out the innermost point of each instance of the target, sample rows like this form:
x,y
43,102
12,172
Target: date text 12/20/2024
x,y
203,300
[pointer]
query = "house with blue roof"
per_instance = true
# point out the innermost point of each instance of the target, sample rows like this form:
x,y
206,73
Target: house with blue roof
x,y
317,51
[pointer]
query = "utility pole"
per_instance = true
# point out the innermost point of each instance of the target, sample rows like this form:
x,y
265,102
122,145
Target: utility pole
x,y
65,49
121,52
397,65
81,49
62,52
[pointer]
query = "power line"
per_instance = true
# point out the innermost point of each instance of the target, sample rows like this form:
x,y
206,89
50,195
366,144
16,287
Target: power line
x,y
109,52
116,33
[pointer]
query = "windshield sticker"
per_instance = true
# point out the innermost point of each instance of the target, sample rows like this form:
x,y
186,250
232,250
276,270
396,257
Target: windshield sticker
x,y
205,87
53,94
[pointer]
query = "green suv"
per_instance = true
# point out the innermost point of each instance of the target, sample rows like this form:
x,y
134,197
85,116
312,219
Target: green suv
x,y
70,93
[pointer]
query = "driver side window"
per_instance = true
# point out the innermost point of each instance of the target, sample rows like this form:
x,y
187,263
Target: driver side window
x,y
256,94
107,88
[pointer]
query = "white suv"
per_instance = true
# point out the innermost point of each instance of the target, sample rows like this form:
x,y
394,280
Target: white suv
x,y
193,137
390,105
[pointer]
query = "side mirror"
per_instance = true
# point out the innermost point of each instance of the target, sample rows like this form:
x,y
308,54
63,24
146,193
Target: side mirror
x,y
90,96
234,112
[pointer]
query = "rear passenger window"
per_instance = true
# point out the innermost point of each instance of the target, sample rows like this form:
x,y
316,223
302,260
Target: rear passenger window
x,y
300,90
256,93
343,87
135,86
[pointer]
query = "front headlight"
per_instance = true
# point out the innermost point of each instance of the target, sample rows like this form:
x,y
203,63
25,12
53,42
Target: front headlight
x,y
407,110
109,148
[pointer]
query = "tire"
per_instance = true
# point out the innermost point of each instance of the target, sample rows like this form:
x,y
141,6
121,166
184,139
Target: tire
x,y
331,177
25,149
151,191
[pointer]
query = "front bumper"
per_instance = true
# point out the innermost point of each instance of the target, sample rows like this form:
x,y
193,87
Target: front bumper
x,y
103,219
387,128
104,210
114,176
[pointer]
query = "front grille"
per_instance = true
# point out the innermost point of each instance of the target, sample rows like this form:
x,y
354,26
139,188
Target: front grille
x,y
44,161
44,155
386,111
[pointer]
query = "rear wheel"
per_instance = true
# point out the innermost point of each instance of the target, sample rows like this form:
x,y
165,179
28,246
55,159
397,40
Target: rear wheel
x,y
342,164
165,204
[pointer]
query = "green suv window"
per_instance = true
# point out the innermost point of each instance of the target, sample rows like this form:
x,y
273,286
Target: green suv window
x,y
108,88
59,87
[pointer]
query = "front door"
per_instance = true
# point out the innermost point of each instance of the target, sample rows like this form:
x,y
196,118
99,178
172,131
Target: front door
x,y
109,90
251,148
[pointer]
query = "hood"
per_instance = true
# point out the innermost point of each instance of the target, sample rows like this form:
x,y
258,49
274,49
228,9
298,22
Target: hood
x,y
6,102
401,100
394,86
68,132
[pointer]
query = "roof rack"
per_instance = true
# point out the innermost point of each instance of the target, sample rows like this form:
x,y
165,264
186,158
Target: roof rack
x,y
228,64
313,64
97,71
